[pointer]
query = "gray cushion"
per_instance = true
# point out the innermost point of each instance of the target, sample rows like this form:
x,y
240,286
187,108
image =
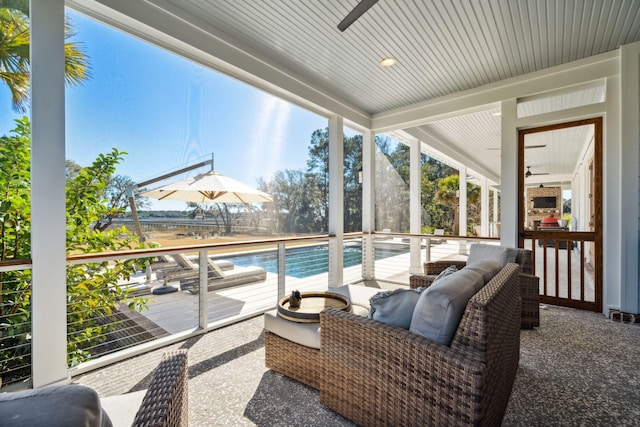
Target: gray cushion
x,y
444,273
53,406
481,252
487,269
394,307
357,294
440,308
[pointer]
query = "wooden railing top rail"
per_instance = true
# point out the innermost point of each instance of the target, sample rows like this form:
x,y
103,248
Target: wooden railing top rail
x,y
150,252
433,236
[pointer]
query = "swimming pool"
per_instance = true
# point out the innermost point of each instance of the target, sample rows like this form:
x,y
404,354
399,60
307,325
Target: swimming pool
x,y
308,261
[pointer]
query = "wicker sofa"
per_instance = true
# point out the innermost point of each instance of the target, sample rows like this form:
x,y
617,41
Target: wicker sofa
x,y
529,284
377,374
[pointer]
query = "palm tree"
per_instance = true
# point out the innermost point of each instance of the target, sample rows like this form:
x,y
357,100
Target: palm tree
x,y
14,53
447,195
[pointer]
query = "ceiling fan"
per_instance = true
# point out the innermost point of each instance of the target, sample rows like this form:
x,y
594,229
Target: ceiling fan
x,y
526,147
356,13
528,173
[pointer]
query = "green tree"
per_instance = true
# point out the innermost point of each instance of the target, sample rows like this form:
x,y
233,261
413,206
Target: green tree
x,y
92,291
15,47
447,195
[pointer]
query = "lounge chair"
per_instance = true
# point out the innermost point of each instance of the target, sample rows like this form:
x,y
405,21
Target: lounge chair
x,y
438,232
219,274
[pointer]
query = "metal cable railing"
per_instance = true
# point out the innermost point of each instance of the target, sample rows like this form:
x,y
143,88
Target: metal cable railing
x,y
125,303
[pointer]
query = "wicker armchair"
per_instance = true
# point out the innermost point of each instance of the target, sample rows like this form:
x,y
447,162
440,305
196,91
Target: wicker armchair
x,y
529,284
377,374
166,402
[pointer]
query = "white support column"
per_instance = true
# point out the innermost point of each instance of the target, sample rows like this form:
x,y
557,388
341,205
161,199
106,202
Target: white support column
x,y
368,203
496,216
336,201
627,229
415,206
48,236
509,175
462,208
484,208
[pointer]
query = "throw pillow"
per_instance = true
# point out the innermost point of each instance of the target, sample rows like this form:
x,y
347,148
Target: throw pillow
x,y
444,273
440,308
487,269
482,252
394,307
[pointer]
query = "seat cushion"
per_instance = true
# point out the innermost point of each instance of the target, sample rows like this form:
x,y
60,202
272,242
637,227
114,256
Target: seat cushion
x,y
122,408
307,334
487,269
53,406
394,307
501,254
358,295
440,308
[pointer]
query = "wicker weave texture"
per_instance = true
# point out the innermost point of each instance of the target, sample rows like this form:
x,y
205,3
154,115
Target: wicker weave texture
x,y
292,359
376,374
166,401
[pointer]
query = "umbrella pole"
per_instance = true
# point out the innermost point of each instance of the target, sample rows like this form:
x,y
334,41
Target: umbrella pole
x,y
136,219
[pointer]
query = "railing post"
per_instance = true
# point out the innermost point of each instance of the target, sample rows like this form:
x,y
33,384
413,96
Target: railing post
x,y
281,270
203,289
368,257
427,249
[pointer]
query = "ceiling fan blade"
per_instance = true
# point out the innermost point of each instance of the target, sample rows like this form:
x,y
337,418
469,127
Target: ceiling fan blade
x,y
356,13
528,146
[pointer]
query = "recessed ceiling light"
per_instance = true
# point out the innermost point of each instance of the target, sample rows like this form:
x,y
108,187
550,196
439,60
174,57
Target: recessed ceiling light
x,y
497,113
388,62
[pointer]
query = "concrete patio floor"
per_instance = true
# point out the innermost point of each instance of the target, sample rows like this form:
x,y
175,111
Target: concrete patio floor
x,y
578,368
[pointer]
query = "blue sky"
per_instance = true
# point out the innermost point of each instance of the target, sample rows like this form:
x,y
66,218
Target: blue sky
x,y
167,112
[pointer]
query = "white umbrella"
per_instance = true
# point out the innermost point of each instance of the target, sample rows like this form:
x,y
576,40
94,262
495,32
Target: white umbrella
x,y
207,188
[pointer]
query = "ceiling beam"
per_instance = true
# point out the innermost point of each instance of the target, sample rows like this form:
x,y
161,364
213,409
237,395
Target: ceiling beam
x,y
442,146
485,97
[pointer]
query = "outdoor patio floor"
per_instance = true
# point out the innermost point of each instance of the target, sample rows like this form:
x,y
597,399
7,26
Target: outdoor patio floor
x,y
577,368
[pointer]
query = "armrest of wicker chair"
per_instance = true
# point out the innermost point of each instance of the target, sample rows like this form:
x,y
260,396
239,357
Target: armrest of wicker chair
x,y
437,267
166,400
530,295
431,271
368,365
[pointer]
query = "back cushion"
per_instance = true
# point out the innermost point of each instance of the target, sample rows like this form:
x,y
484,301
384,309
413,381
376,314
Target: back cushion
x,y
501,254
395,307
440,308
444,273
487,269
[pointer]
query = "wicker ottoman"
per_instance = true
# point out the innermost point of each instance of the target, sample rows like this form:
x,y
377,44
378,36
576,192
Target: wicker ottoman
x,y
293,349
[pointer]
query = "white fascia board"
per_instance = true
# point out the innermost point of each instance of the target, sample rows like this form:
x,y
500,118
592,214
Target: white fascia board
x,y
485,97
570,114
168,27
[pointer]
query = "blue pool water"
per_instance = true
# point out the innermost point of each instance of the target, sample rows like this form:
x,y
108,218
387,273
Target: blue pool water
x,y
307,261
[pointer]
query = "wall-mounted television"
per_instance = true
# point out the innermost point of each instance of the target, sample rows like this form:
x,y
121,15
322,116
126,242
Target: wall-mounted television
x,y
544,202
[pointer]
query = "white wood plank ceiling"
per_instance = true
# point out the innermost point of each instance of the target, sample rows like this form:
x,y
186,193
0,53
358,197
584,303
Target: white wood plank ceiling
x,y
442,47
